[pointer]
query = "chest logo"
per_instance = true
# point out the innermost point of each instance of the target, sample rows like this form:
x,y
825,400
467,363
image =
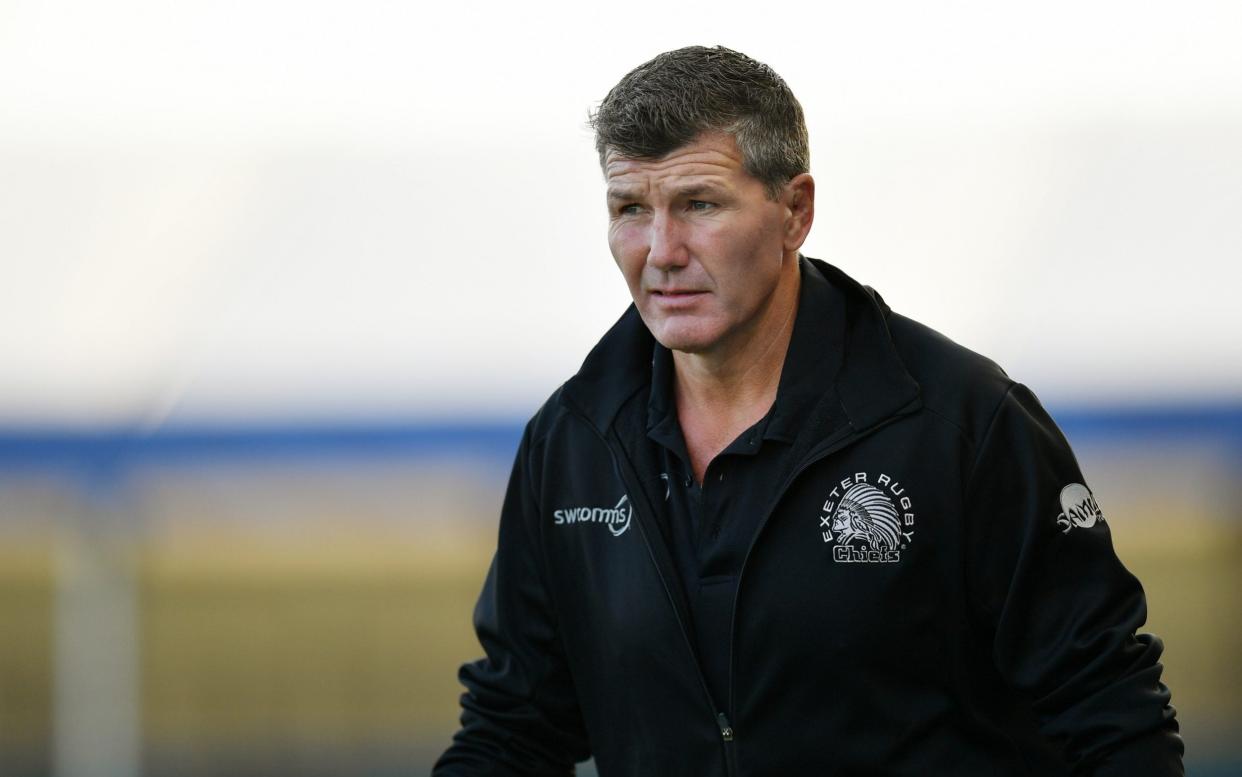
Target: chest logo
x,y
617,519
867,521
1078,508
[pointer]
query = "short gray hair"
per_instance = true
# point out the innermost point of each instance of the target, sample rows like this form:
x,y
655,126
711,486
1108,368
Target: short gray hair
x,y
664,104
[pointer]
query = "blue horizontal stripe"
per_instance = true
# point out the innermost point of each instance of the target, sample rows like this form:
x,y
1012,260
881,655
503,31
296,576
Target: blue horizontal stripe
x,y
47,447
54,447
1219,421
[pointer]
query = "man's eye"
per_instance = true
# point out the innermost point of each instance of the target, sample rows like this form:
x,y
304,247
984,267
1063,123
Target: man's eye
x,y
628,210
701,205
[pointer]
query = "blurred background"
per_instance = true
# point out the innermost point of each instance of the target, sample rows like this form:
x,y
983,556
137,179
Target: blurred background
x,y
280,282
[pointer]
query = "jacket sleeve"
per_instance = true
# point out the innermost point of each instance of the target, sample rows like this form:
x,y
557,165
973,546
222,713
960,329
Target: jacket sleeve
x,y
1060,609
519,713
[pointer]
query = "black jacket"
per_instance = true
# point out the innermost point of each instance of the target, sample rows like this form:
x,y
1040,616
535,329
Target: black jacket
x,y
929,593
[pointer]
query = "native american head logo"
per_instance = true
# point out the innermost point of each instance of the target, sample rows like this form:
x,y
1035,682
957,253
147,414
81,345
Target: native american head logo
x,y
867,514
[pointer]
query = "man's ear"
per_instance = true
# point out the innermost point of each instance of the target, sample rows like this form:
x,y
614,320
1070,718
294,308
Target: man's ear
x,y
799,196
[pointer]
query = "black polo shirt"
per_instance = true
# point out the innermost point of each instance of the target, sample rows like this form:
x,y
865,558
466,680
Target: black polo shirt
x,y
710,526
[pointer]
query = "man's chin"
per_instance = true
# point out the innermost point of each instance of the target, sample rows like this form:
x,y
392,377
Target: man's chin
x,y
689,334
684,342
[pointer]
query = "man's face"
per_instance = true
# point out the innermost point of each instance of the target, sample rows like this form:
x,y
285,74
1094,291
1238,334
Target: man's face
x,y
701,245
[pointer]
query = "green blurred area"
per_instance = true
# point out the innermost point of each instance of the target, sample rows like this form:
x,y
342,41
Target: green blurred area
x,y
345,652
321,659
26,597
331,647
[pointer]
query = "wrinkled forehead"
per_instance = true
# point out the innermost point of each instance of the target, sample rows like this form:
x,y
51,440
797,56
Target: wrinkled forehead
x,y
712,152
711,165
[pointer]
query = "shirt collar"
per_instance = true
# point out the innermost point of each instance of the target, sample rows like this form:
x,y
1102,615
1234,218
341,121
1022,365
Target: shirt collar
x,y
871,385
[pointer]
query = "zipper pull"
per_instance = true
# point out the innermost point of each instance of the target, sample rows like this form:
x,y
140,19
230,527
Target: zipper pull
x,y
726,730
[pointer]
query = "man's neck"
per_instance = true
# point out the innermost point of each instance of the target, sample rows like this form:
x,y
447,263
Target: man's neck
x,y
721,394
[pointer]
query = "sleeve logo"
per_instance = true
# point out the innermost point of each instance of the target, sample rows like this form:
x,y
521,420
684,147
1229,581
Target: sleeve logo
x,y
1078,508
869,523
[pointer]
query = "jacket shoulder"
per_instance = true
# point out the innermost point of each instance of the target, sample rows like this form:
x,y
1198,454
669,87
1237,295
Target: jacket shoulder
x,y
962,387
546,420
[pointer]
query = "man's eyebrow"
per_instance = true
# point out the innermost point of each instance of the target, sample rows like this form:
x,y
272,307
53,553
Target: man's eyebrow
x,y
698,190
622,193
695,189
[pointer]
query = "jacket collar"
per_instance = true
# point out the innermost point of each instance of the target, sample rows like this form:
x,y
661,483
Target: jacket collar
x,y
872,382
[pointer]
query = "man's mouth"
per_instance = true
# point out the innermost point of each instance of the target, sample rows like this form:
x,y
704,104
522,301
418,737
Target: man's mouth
x,y
674,299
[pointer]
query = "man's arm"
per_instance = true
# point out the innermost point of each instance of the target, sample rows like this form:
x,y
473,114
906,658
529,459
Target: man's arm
x,y
1061,609
520,714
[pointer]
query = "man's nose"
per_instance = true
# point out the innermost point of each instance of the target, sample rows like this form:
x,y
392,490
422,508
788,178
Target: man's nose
x,y
666,246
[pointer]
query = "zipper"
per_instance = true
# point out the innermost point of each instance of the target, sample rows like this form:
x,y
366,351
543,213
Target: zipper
x,y
726,733
722,722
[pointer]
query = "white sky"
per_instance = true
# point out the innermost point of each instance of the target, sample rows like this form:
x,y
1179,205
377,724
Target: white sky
x,y
279,210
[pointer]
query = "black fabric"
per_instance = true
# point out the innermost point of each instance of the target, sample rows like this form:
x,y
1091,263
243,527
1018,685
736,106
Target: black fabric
x,y
710,525
932,590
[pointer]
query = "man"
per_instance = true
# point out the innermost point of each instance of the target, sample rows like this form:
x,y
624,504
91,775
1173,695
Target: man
x,y
772,527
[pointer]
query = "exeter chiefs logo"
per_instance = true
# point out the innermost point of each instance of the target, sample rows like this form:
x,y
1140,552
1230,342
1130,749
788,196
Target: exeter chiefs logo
x,y
868,522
